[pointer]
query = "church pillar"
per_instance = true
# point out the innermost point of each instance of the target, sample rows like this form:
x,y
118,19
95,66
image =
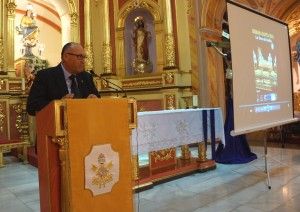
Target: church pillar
x,y
169,37
107,50
10,53
87,43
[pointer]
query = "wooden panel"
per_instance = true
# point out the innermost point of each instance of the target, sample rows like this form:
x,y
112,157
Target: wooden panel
x,y
48,160
163,158
62,183
102,121
15,86
149,105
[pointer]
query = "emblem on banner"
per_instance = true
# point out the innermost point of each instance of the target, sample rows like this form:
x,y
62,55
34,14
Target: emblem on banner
x,y
102,172
101,169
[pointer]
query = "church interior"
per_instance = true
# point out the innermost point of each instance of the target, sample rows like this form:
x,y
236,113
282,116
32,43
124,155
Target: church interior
x,y
163,55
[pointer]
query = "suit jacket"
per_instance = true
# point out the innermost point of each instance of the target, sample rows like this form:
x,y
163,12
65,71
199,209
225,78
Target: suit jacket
x,y
50,84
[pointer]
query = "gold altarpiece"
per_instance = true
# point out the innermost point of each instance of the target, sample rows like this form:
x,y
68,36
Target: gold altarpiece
x,y
170,84
167,85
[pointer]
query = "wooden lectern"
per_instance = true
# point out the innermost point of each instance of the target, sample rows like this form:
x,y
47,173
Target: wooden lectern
x,y
84,155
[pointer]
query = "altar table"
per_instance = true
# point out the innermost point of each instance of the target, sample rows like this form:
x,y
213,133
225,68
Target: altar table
x,y
157,130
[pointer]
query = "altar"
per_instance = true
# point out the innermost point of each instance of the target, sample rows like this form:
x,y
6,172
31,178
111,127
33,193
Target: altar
x,y
160,133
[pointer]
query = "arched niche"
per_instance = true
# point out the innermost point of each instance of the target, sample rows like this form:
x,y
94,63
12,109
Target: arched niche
x,y
127,8
128,38
151,12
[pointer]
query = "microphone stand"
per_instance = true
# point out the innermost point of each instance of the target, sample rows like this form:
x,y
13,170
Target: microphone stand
x,y
118,88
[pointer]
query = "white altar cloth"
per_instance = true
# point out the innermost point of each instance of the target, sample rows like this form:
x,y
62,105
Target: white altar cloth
x,y
157,130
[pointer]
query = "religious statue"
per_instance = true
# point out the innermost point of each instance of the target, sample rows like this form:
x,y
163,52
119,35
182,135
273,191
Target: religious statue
x,y
141,63
29,30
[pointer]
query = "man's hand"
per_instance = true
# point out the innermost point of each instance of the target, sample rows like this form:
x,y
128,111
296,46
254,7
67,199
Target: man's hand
x,y
69,96
92,96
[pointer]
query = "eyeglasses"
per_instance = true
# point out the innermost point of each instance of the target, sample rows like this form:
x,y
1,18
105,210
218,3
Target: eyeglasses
x,y
78,56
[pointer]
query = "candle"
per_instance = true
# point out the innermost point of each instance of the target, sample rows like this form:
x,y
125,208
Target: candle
x,y
195,100
23,84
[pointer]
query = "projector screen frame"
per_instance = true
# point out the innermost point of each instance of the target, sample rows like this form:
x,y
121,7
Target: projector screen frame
x,y
293,119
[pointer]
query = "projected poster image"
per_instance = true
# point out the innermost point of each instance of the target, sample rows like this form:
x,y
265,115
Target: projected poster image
x,y
265,70
262,83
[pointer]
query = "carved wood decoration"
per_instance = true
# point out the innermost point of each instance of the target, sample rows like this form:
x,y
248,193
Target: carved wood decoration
x,y
149,105
3,120
3,85
15,121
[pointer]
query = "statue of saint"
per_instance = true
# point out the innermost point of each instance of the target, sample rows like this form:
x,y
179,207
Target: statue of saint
x,y
29,30
141,62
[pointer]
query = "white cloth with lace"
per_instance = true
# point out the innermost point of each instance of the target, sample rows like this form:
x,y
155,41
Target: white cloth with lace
x,y
157,130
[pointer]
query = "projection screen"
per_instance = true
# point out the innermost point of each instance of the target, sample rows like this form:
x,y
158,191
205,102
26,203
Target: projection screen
x,y
261,64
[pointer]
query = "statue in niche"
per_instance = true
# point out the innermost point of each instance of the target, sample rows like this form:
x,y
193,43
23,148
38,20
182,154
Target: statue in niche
x,y
141,63
29,30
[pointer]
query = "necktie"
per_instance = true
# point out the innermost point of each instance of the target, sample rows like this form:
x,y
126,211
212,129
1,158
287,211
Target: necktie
x,y
74,87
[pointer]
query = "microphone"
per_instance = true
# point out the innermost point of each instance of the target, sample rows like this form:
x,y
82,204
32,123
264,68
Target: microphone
x,y
209,43
217,46
118,88
220,44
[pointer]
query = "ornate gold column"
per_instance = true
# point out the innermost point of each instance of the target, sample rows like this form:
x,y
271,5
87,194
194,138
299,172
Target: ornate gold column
x,y
87,35
10,39
1,35
1,54
74,27
201,152
169,37
135,163
185,152
74,16
63,145
107,50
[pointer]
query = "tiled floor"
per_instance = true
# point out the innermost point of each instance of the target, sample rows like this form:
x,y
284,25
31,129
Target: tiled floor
x,y
228,188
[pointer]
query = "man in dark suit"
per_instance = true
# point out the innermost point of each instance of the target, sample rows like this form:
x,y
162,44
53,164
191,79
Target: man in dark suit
x,y
67,80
